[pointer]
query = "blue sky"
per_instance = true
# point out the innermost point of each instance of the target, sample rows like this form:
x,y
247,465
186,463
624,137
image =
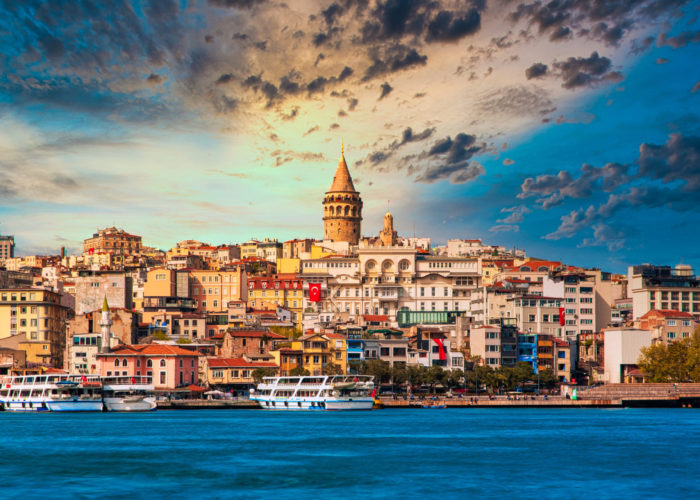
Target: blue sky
x,y
568,128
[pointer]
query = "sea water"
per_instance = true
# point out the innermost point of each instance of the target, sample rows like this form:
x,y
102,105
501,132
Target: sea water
x,y
417,453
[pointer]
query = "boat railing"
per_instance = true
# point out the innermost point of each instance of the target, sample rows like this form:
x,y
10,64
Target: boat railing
x,y
128,380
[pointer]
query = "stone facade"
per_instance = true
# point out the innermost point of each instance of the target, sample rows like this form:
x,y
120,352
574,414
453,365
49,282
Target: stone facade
x,y
342,208
112,240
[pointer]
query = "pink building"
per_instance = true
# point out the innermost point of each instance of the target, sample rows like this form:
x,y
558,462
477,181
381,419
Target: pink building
x,y
169,366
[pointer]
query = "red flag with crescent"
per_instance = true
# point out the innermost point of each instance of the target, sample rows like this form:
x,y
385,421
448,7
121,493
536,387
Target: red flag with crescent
x,y
562,316
315,292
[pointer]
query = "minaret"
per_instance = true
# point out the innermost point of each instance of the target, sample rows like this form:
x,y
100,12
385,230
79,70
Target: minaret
x,y
105,323
342,207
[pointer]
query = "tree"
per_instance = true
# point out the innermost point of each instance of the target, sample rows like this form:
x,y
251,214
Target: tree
x,y
260,373
548,379
160,335
299,371
332,369
184,340
675,362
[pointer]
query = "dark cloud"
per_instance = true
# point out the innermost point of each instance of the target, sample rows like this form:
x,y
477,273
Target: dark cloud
x,y
208,38
585,71
345,73
552,189
678,41
313,129
352,103
227,78
561,33
640,46
666,175
677,160
605,20
236,4
537,70
392,59
155,79
448,27
385,90
450,159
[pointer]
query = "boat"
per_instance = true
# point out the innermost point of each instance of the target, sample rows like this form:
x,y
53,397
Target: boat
x,y
320,392
435,405
51,392
135,393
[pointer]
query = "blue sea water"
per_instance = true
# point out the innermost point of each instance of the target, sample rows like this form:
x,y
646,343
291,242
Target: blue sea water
x,y
453,453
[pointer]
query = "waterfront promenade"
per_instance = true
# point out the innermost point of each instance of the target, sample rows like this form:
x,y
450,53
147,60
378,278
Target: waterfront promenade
x,y
606,396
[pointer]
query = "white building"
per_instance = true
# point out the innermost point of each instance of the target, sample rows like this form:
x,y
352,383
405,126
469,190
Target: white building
x,y
622,350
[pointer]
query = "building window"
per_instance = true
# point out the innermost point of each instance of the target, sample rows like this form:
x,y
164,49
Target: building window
x,y
163,376
162,363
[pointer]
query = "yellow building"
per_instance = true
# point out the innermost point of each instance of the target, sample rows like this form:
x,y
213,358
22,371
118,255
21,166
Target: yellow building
x,y
213,290
288,265
322,351
280,290
39,315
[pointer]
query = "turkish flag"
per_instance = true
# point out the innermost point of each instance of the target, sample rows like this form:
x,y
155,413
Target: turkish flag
x,y
315,292
441,349
562,316
91,251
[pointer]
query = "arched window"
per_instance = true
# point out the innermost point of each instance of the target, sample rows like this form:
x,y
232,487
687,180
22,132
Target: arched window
x,y
404,265
116,361
330,211
354,211
149,363
347,210
162,362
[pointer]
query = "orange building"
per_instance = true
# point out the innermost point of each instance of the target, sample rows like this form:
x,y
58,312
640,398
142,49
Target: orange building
x,y
213,290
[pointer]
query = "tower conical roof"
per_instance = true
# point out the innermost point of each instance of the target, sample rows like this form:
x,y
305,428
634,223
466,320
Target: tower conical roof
x,y
105,306
342,180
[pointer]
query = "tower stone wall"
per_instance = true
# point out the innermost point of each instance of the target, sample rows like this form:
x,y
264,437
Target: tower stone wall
x,y
342,208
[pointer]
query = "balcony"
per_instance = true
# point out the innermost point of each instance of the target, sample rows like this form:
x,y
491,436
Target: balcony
x,y
169,303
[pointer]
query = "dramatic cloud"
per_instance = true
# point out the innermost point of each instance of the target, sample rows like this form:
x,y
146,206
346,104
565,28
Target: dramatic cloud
x,y
385,90
535,71
675,163
450,159
586,71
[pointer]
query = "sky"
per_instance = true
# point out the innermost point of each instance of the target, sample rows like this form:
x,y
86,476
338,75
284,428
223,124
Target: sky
x,y
569,128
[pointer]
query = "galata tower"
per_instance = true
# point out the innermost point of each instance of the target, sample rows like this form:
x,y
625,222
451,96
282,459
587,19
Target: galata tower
x,y
342,207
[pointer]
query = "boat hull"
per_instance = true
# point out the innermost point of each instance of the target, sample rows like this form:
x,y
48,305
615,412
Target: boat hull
x,y
119,404
25,406
316,405
77,405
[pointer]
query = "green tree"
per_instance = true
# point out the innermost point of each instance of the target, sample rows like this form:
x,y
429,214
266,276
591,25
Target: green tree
x,y
548,379
260,373
160,335
184,340
379,369
675,362
332,369
299,371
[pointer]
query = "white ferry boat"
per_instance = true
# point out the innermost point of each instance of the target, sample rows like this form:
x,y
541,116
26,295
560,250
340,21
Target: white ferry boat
x,y
128,393
322,392
51,392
